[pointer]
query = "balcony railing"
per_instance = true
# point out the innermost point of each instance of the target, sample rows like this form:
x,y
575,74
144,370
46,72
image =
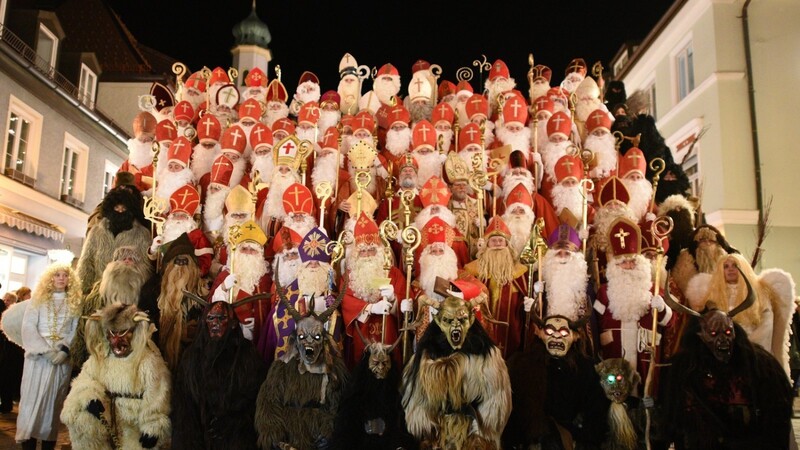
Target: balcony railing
x,y
41,65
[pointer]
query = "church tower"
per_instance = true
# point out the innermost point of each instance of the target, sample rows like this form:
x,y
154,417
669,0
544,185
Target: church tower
x,y
251,45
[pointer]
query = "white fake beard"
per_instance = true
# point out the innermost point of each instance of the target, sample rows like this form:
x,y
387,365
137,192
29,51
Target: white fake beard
x,y
586,106
275,114
497,87
571,82
325,169
425,215
195,98
265,166
640,192
488,135
212,209
238,171
432,266
550,156
385,90
257,92
565,281
308,91
398,142
169,182
140,154
605,153
518,140
568,197
520,227
511,181
461,113
328,119
349,91
447,139
301,228
288,268
430,165
163,151
249,270
363,273
539,89
541,135
629,290
274,202
313,280
308,134
173,228
203,159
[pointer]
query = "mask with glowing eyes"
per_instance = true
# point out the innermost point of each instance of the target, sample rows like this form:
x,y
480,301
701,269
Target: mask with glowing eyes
x,y
557,335
617,378
717,333
454,319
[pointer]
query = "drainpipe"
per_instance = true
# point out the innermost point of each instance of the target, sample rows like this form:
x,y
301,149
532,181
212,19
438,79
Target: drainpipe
x,y
751,97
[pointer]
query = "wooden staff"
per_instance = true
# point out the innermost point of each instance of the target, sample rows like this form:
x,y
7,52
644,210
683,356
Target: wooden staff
x,y
495,164
587,186
389,192
660,228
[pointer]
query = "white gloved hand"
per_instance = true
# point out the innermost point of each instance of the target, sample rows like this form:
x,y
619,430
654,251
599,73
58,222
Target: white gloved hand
x,y
538,287
247,328
481,244
387,292
59,358
527,304
649,217
583,233
657,302
407,305
229,281
157,241
381,307
432,312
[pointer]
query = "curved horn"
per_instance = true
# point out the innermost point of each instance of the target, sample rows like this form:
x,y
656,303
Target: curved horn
x,y
199,300
282,294
361,335
580,322
391,348
251,299
677,307
748,301
327,313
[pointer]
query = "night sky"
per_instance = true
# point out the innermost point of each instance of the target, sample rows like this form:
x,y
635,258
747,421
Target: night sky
x,y
314,35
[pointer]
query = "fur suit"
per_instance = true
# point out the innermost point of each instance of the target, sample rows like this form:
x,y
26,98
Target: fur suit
x,y
134,390
216,384
459,397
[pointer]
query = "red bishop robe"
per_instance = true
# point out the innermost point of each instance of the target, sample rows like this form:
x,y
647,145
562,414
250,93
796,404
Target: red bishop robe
x,y
332,209
505,305
139,174
352,307
629,339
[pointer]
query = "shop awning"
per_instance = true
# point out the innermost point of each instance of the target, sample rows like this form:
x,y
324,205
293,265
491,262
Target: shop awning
x,y
24,222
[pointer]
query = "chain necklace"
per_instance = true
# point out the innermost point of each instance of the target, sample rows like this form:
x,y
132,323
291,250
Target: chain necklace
x,y
53,315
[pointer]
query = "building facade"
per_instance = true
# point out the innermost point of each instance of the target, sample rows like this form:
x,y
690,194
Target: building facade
x,y
61,149
721,78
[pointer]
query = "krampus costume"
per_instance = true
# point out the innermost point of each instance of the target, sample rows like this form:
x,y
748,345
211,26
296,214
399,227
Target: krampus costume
x,y
625,416
370,415
121,225
298,402
723,391
121,398
456,390
556,392
216,384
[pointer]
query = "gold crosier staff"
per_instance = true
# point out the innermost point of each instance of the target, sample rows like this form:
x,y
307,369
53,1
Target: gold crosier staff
x,y
389,192
657,165
660,228
587,187
412,238
362,156
530,255
388,233
155,207
234,233
478,180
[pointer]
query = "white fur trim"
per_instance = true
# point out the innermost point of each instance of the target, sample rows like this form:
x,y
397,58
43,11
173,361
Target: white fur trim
x,y
697,288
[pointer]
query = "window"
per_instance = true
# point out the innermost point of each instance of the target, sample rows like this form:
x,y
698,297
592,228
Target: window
x,y
692,170
13,268
17,140
620,63
73,170
87,86
108,178
22,138
47,46
684,61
